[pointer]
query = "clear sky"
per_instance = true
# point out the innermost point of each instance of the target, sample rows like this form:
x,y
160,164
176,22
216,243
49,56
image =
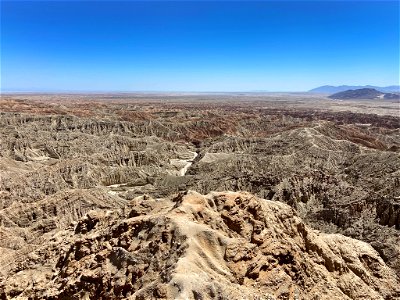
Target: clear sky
x,y
197,46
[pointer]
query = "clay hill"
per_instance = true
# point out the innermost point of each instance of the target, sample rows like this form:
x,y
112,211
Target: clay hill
x,y
366,93
198,197
222,245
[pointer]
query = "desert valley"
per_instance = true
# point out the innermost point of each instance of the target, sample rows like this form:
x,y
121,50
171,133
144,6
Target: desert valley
x,y
199,196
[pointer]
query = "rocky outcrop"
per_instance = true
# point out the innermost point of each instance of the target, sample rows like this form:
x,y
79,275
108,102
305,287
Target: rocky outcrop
x,y
222,245
388,212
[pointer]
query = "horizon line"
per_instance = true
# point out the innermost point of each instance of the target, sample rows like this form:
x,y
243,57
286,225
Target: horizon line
x,y
147,91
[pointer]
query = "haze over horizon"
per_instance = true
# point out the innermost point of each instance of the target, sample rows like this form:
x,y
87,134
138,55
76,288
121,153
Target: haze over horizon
x,y
197,46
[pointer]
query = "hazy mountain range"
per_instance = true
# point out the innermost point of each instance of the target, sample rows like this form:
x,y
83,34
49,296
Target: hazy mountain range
x,y
329,89
365,93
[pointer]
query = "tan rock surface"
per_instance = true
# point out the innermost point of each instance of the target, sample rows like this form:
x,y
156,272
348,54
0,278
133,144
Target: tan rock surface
x,y
224,245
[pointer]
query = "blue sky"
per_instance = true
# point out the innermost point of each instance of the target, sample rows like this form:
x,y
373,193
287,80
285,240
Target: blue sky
x,y
197,46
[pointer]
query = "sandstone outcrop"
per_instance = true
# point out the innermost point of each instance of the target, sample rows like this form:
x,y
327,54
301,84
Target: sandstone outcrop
x,y
222,245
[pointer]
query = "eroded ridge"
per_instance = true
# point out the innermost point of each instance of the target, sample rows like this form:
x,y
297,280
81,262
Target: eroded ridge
x,y
224,245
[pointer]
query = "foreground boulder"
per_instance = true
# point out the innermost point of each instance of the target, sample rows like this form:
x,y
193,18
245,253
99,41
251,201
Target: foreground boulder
x,y
225,245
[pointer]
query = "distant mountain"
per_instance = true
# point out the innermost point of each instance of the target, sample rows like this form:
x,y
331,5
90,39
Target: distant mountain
x,y
329,89
366,93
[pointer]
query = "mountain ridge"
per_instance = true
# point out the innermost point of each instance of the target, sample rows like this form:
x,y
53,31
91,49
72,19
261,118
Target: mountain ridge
x,y
330,89
366,93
